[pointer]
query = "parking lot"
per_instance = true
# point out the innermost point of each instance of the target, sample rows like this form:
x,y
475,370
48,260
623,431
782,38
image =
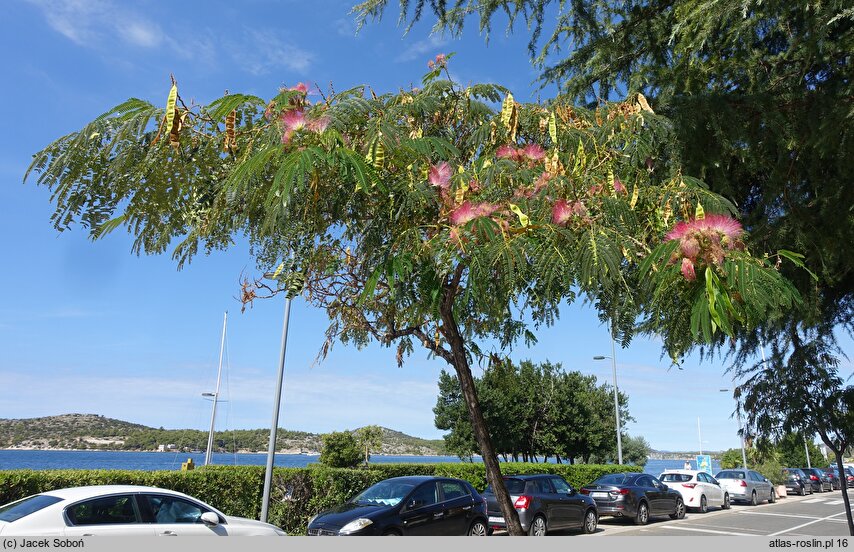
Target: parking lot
x,y
794,516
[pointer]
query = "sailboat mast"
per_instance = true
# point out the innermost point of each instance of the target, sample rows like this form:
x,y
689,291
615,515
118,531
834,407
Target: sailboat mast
x,y
209,451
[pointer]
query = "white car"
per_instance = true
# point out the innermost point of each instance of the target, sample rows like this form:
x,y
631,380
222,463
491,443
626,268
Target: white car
x,y
699,490
121,510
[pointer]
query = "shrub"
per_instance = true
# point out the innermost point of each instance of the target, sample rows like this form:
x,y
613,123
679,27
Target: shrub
x,y
340,450
297,494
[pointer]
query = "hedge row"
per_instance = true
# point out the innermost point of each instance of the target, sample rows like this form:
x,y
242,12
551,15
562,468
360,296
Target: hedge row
x,y
297,493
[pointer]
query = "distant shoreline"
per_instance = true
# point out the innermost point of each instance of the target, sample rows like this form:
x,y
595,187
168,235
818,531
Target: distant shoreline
x,y
289,452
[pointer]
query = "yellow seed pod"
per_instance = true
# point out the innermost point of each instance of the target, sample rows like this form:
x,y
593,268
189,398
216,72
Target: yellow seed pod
x,y
635,193
553,128
699,214
643,104
553,165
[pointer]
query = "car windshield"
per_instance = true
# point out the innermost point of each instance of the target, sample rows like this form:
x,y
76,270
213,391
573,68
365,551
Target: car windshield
x,y
730,475
387,493
514,486
612,479
17,510
675,477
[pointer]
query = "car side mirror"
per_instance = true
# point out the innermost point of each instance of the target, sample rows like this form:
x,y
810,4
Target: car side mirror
x,y
413,504
664,486
571,491
210,519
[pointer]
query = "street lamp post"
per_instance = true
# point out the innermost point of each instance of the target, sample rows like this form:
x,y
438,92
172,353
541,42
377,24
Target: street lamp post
x,y
271,451
616,400
740,434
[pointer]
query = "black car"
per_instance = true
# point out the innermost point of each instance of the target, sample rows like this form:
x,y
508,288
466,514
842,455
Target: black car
x,y
797,482
819,480
415,505
545,503
849,475
635,495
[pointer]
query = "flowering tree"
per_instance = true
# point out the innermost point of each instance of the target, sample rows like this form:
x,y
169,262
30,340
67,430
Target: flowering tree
x,y
427,216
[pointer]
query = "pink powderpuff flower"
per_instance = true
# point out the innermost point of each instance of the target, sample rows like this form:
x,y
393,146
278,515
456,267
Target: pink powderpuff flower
x,y
469,211
300,87
618,186
534,152
579,209
440,59
690,247
506,152
318,125
561,212
430,64
712,226
463,214
440,175
688,270
293,120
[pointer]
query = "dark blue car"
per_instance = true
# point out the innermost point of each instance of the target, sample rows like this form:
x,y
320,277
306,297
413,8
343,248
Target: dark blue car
x,y
415,505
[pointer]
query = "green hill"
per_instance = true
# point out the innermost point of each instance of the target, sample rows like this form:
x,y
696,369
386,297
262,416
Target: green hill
x,y
91,431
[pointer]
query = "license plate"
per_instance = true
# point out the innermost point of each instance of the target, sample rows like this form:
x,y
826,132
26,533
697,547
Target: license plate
x,y
496,519
599,495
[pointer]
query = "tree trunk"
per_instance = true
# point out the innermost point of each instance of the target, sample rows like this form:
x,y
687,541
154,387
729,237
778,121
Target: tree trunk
x,y
452,334
844,486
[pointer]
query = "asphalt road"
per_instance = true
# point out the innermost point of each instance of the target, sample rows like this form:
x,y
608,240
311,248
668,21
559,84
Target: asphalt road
x,y
819,514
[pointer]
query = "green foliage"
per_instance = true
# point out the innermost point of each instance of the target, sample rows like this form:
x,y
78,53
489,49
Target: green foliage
x,y
369,438
340,450
532,410
297,493
635,450
773,471
791,450
731,458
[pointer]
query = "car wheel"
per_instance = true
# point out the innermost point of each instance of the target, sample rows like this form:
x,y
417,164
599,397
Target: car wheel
x,y
590,522
392,533
773,498
538,527
680,509
478,529
704,504
726,505
642,516
802,491
753,501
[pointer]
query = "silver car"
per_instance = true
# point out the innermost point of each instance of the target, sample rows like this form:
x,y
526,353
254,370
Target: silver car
x,y
746,486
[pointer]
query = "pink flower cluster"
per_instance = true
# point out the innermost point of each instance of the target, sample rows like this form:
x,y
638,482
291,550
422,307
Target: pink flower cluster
x,y
705,241
440,61
295,119
563,211
531,152
469,211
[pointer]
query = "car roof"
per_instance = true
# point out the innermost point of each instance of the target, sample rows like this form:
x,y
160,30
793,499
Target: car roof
x,y
688,472
75,493
530,476
418,478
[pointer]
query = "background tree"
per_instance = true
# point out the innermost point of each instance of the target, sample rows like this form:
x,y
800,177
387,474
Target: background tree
x,y
821,405
536,411
340,450
791,451
635,450
426,216
369,438
731,458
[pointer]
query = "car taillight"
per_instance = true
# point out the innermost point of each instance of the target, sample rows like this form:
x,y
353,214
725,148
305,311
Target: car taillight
x,y
522,502
814,478
620,491
742,483
585,491
689,485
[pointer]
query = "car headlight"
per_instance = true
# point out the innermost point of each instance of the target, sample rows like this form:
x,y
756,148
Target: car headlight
x,y
355,525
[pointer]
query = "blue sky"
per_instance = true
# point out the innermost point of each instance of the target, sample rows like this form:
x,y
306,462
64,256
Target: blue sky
x,y
90,328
